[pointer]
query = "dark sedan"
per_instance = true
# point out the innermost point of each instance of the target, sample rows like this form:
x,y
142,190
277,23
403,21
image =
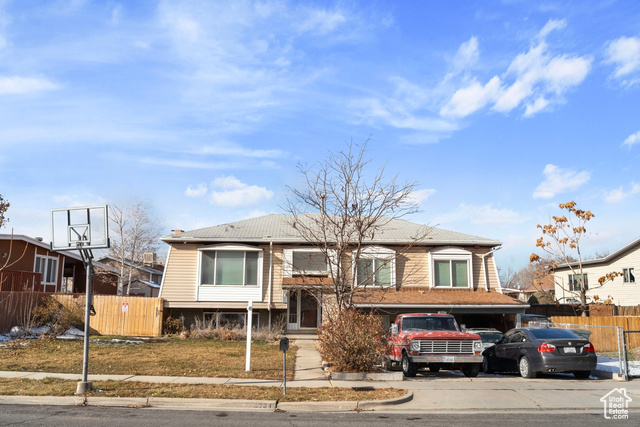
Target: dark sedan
x,y
532,350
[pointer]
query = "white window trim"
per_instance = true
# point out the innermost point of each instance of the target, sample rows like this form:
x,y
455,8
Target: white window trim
x,y
46,258
226,248
450,254
376,253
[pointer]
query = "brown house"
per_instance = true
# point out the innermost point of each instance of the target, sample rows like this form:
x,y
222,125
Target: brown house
x,y
145,279
28,264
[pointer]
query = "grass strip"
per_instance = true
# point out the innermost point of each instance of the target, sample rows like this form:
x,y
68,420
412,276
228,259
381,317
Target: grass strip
x,y
59,387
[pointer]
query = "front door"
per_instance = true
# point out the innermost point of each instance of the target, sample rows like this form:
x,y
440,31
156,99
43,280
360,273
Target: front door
x,y
303,311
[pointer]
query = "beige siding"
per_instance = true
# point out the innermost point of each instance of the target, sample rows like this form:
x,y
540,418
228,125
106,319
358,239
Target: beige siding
x,y
180,279
624,294
412,268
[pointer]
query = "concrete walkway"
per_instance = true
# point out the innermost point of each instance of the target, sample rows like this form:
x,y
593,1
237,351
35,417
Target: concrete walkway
x,y
308,360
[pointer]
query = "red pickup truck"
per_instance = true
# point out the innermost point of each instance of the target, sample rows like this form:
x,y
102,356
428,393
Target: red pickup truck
x,y
434,341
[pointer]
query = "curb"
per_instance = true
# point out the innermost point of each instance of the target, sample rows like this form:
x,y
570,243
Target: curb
x,y
371,376
203,404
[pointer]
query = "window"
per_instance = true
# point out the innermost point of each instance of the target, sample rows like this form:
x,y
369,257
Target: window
x,y
229,268
309,263
629,275
48,268
373,272
574,282
450,268
451,274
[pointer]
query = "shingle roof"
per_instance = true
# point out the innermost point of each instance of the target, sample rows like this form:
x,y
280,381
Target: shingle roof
x,y
428,296
278,228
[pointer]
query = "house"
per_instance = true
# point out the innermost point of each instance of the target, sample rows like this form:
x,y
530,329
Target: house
x,y
28,264
543,291
145,279
622,290
213,273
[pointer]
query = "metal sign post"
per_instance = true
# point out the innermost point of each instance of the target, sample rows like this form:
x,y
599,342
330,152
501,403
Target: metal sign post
x,y
82,229
284,346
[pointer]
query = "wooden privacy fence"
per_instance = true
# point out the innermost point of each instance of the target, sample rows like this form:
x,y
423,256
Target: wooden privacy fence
x,y
117,315
15,308
605,339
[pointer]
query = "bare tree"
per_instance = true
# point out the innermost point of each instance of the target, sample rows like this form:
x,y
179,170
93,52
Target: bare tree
x,y
134,232
4,205
509,278
560,240
339,212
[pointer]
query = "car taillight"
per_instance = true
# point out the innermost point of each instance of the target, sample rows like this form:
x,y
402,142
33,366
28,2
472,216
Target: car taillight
x,y
590,348
546,348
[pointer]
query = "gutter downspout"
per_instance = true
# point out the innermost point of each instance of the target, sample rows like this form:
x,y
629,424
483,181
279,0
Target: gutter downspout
x,y
270,279
484,268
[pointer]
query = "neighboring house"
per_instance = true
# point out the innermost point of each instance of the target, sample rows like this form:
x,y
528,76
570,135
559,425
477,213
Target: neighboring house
x,y
543,291
28,264
145,279
213,273
623,290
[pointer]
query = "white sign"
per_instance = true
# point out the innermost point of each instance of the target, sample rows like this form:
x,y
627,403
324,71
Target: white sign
x,y
616,404
125,307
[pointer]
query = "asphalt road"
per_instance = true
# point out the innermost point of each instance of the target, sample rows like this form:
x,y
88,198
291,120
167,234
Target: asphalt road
x,y
71,416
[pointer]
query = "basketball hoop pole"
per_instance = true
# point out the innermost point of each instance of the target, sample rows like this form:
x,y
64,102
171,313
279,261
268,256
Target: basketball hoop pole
x,y
82,229
86,385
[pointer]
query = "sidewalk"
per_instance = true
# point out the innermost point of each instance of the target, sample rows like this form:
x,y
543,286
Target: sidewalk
x,y
443,392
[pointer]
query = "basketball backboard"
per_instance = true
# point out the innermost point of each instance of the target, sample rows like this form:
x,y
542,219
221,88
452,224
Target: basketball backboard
x,y
80,228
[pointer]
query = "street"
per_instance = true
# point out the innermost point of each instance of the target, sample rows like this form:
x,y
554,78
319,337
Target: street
x,y
71,416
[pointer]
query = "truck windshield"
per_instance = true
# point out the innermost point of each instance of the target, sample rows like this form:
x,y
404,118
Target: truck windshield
x,y
429,324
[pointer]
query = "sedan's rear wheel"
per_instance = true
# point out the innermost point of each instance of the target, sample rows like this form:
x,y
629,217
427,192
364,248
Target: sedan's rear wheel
x,y
582,375
525,368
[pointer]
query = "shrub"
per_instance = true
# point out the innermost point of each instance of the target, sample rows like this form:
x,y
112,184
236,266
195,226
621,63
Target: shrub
x,y
353,341
208,330
174,326
58,316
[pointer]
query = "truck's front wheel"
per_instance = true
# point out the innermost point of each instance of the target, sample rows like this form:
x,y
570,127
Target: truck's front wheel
x,y
409,369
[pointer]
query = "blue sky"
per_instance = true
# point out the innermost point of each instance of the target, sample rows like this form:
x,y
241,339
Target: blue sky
x,y
499,110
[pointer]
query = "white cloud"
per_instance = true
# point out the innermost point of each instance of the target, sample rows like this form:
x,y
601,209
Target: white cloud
x,y
419,196
535,79
230,192
199,191
632,140
558,180
20,85
323,21
467,55
624,53
619,194
470,99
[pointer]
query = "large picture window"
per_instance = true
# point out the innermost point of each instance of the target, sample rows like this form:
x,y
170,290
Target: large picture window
x,y
229,268
373,272
310,263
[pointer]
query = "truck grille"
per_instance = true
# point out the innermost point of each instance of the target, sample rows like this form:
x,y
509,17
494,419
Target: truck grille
x,y
446,347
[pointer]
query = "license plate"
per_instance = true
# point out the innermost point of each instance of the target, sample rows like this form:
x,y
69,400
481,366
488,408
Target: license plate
x,y
448,359
569,349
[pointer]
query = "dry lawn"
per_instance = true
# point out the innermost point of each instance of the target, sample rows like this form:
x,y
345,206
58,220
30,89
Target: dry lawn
x,y
58,387
165,357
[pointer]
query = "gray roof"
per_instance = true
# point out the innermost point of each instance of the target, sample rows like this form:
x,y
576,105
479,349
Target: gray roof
x,y
278,228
